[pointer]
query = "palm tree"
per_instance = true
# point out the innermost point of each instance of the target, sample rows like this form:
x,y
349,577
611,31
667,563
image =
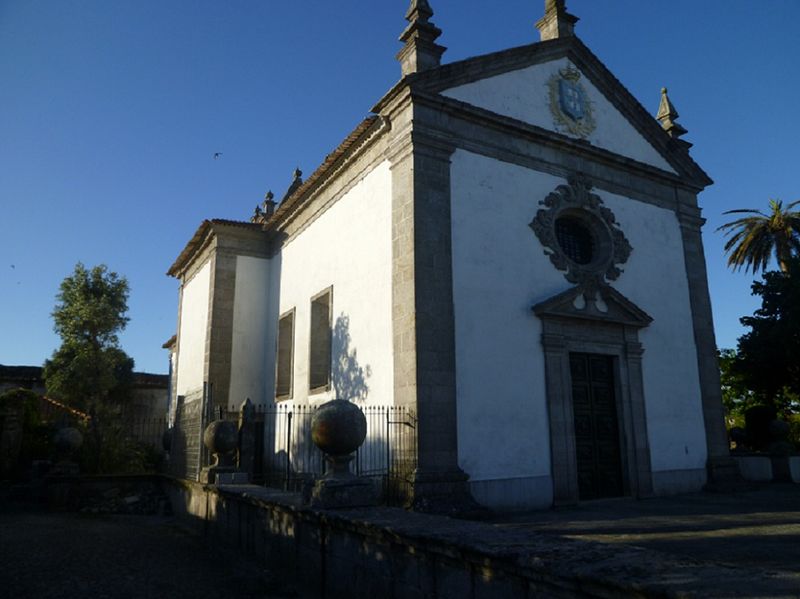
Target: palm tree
x,y
755,238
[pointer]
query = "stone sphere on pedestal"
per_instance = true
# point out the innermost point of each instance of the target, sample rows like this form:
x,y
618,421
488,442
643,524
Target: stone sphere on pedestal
x,y
67,440
221,437
338,427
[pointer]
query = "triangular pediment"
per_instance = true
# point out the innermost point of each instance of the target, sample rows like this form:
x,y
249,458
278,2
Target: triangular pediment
x,y
513,84
602,303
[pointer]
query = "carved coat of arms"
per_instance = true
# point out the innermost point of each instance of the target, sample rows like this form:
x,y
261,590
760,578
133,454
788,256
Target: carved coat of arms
x,y
569,103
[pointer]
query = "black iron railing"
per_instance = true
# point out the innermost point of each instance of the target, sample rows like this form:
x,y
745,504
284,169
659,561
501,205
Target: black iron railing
x,y
286,457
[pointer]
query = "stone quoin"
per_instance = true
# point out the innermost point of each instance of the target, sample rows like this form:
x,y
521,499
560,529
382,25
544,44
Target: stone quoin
x,y
510,246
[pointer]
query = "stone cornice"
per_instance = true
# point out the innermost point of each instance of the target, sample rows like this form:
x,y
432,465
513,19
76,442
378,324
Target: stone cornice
x,y
540,135
466,71
616,308
210,231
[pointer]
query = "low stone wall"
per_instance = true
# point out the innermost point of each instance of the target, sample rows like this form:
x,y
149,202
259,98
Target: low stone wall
x,y
388,552
760,468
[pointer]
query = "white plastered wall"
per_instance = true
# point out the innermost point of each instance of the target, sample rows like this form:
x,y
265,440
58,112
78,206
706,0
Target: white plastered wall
x,y
525,96
193,331
348,247
500,271
251,373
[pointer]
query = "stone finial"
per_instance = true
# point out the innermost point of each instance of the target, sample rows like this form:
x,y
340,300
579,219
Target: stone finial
x,y
269,204
297,181
262,213
557,22
667,116
421,52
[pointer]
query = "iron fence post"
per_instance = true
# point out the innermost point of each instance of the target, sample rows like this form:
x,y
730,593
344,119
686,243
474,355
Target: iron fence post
x,y
288,449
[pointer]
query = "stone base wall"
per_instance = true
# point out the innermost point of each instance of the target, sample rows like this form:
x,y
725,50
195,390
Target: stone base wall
x,y
676,482
762,468
374,552
388,552
514,494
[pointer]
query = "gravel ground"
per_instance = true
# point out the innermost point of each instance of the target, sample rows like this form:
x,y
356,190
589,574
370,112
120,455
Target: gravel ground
x,y
51,555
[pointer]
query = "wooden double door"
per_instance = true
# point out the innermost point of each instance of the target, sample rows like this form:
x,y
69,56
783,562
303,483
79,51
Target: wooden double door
x,y
597,439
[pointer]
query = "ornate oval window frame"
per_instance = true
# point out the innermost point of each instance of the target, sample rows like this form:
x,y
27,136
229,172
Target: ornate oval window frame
x,y
610,247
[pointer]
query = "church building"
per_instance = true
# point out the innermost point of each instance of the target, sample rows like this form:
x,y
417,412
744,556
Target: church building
x,y
510,245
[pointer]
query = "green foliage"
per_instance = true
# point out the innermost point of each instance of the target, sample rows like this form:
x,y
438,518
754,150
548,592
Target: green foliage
x,y
108,448
89,369
736,394
768,360
92,306
794,430
761,379
25,402
37,437
755,238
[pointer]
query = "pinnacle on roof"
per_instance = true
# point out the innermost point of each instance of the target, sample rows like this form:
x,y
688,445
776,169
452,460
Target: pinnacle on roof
x,y
297,181
262,213
557,22
421,52
667,116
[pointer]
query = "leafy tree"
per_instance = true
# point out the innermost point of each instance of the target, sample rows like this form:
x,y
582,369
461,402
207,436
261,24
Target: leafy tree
x,y
754,239
736,395
768,360
90,370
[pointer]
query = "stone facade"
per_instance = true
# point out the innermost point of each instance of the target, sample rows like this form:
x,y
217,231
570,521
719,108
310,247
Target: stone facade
x,y
474,149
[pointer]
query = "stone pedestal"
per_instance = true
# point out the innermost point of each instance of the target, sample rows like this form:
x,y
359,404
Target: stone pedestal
x,y
221,439
343,493
445,494
232,478
338,428
210,475
724,476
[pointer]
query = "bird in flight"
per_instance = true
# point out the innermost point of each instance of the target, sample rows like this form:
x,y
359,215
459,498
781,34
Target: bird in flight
x,y
217,155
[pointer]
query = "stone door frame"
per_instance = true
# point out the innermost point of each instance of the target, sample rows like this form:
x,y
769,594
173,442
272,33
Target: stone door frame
x,y
613,332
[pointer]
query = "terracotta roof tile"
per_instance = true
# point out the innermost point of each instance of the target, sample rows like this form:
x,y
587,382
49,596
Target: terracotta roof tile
x,y
294,199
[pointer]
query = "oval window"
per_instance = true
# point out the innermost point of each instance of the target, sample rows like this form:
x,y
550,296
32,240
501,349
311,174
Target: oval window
x,y
575,239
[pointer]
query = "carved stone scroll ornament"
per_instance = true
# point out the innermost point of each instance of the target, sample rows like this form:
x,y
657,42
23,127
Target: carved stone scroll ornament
x,y
580,234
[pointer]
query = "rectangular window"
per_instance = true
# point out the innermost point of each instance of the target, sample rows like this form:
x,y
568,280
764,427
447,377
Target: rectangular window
x,y
319,362
285,365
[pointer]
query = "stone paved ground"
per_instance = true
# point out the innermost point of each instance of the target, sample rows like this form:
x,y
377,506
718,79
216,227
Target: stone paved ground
x,y
758,528
744,544
50,555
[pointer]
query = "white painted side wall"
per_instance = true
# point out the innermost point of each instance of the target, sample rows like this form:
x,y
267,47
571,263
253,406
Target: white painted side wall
x,y
193,330
349,247
525,96
251,374
500,271
655,279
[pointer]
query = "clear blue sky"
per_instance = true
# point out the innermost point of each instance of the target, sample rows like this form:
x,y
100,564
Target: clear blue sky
x,y
111,111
